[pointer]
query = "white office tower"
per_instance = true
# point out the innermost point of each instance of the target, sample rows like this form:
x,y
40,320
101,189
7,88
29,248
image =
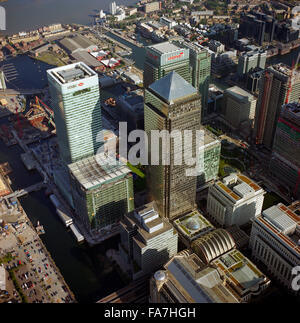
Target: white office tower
x,y
235,200
75,98
113,8
275,243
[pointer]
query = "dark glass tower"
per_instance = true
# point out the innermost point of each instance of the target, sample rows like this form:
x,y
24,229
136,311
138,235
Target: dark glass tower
x,y
171,103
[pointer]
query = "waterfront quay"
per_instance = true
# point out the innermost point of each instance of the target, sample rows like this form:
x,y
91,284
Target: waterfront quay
x,y
29,264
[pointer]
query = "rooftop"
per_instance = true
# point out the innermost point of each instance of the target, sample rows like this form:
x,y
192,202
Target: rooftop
x,y
71,73
193,225
240,94
196,282
237,187
172,87
239,270
77,42
95,171
148,222
284,223
291,111
164,48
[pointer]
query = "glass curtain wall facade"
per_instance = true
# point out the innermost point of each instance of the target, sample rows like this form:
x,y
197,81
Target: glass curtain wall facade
x,y
172,104
77,110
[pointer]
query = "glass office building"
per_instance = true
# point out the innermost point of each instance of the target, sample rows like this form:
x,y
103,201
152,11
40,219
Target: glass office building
x,y
171,103
75,100
102,192
163,58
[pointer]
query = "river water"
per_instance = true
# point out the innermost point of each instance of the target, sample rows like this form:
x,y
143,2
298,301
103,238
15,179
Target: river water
x,y
26,15
86,270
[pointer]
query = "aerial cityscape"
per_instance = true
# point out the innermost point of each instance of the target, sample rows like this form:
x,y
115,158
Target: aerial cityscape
x,y
150,152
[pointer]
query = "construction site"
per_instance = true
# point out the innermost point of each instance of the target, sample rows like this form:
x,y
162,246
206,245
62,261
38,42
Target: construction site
x,y
36,124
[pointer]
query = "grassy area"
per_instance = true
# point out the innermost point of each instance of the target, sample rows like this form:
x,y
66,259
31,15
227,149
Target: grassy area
x,y
8,257
136,170
51,59
140,182
234,164
17,286
217,132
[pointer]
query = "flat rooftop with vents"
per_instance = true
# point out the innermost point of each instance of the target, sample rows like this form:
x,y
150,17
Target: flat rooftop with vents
x,y
283,222
71,73
95,171
164,48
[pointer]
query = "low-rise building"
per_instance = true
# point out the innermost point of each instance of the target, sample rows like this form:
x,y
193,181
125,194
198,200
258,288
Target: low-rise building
x,y
191,226
275,242
234,200
152,6
212,271
186,279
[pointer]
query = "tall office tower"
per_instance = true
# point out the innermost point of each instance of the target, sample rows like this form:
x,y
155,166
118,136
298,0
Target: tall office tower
x,y
147,240
163,58
171,103
279,85
274,242
239,107
75,101
113,8
200,62
285,161
235,200
102,192
251,60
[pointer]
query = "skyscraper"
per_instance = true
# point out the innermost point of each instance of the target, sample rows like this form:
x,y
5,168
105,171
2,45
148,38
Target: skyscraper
x,y
279,85
200,63
171,103
285,161
75,100
163,58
